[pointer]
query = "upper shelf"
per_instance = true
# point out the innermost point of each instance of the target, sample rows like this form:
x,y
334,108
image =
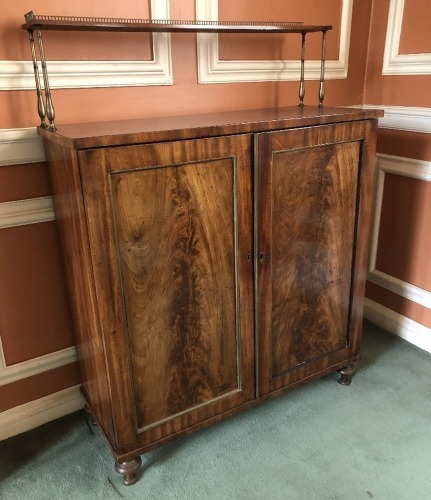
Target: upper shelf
x,y
69,23
36,23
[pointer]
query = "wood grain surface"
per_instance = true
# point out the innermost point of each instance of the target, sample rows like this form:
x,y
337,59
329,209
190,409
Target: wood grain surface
x,y
314,200
312,214
171,241
176,233
169,128
72,228
166,286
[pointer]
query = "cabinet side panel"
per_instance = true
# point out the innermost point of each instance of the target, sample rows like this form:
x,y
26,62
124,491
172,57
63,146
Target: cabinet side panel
x,y
66,187
314,202
176,236
363,229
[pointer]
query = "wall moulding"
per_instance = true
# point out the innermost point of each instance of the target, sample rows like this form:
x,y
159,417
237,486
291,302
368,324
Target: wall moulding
x,y
24,212
409,119
20,145
20,213
415,333
416,169
38,412
18,75
213,70
25,369
395,63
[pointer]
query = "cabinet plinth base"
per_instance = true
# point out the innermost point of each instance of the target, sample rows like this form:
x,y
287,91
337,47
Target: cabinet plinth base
x,y
346,374
128,469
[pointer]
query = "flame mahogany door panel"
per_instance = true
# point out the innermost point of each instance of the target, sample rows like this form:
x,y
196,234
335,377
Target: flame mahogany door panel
x,y
171,235
312,205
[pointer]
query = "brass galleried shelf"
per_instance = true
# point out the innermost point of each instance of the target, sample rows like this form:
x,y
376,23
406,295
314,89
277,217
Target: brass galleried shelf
x,y
40,23
73,23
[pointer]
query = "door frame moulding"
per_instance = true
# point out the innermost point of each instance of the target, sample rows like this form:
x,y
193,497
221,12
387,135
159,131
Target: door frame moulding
x,y
213,70
407,167
401,64
19,75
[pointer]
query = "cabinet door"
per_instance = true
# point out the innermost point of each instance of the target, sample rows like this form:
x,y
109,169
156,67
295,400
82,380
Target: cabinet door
x,y
171,240
313,195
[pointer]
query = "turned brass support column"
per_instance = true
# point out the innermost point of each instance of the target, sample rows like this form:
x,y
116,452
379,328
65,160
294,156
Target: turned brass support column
x,y
40,102
302,78
322,71
50,113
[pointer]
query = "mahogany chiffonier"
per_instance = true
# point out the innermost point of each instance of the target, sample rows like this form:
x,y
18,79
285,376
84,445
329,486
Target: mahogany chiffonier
x,y
213,261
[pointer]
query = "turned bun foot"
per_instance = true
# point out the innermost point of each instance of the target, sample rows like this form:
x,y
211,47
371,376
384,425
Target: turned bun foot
x,y
346,375
128,470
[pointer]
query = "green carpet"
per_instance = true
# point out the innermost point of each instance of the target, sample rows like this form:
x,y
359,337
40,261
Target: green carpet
x,y
321,441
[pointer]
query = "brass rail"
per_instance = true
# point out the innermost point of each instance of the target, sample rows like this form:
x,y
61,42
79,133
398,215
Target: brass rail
x,y
39,23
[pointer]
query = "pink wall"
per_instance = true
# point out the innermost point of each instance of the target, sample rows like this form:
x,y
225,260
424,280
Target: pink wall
x,y
405,239
397,90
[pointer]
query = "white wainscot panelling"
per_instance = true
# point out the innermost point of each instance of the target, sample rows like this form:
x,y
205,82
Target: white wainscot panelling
x,y
18,146
20,213
409,119
213,70
30,415
407,167
15,75
25,369
29,211
415,333
401,64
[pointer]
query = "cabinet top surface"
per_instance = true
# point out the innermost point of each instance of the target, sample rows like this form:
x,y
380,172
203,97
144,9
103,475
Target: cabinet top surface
x,y
125,132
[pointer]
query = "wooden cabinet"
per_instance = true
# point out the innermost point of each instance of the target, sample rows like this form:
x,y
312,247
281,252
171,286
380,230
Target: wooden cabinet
x,y
213,261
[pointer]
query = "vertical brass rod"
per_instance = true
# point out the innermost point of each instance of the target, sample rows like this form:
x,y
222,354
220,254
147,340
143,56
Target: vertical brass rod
x,y
322,71
40,103
301,81
50,113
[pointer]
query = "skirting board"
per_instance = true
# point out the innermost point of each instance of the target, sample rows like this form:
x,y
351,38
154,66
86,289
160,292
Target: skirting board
x,y
415,333
35,413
